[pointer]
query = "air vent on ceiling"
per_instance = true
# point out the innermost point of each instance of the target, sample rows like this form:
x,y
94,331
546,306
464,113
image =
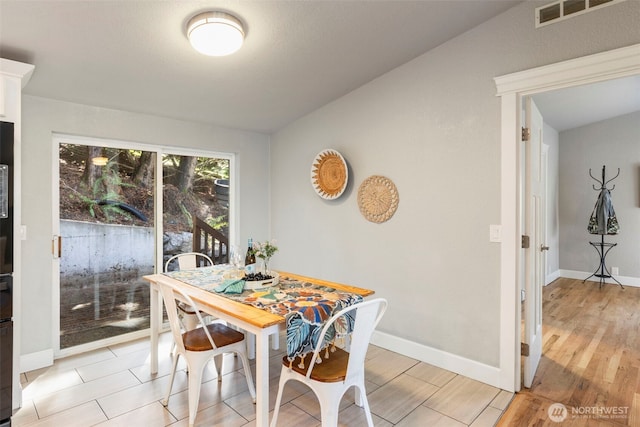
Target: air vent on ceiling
x,y
564,9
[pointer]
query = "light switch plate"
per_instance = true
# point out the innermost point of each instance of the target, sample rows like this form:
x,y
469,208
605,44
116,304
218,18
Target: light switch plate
x,y
495,233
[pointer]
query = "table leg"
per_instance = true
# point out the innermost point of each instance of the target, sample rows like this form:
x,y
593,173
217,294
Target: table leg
x,y
262,379
251,345
155,313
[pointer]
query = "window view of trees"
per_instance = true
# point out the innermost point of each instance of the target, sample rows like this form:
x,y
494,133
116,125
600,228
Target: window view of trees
x,y
190,190
118,192
195,206
108,231
121,191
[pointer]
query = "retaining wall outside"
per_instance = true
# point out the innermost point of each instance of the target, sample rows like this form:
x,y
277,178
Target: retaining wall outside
x,y
90,249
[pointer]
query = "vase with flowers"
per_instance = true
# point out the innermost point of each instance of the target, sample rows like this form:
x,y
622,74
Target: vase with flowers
x,y
264,251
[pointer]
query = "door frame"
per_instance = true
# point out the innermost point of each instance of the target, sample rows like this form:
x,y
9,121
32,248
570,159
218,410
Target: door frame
x,y
159,151
511,89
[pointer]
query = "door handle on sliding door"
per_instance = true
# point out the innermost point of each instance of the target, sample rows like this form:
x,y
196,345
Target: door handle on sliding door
x,y
56,246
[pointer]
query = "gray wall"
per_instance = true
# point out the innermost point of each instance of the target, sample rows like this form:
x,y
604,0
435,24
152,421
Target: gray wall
x,y
433,127
614,143
41,117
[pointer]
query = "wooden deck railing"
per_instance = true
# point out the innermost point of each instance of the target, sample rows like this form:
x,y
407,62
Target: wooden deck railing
x,y
209,241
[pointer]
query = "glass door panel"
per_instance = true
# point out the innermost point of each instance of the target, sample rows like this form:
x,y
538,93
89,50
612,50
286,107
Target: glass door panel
x,y
195,206
107,230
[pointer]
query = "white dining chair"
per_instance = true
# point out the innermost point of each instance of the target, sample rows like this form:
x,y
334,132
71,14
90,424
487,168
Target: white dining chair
x,y
330,377
198,346
189,261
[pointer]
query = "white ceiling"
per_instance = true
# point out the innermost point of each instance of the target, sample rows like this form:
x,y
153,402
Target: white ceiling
x,y
577,106
298,55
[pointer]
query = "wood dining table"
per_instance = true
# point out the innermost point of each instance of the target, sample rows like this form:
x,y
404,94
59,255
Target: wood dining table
x,y
249,318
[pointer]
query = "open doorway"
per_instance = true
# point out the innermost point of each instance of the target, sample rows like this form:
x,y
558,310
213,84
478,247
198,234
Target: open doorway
x,y
593,129
587,128
512,89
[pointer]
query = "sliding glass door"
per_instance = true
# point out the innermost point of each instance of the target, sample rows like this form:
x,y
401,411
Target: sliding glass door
x,y
109,235
195,194
106,241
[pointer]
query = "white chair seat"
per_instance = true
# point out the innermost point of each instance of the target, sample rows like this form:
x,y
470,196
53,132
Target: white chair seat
x,y
222,335
198,346
330,377
331,370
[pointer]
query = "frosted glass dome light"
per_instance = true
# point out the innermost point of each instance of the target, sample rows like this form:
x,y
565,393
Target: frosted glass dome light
x,y
215,33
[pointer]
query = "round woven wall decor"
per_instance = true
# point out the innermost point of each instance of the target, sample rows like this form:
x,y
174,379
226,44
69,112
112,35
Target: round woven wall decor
x,y
378,198
329,174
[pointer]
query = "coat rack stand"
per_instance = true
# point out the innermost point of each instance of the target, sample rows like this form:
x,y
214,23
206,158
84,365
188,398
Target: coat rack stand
x,y
602,247
602,272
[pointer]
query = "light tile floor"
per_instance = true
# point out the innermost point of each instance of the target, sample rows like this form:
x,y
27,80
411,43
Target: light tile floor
x,y
113,387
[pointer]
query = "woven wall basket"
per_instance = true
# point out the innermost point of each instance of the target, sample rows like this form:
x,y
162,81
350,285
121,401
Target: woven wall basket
x,y
378,198
329,174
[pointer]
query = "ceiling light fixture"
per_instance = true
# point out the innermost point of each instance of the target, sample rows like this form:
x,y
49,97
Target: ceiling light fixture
x,y
215,33
100,161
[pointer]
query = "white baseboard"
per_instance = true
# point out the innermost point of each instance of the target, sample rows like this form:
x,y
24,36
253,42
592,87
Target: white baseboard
x,y
581,275
33,361
470,368
551,277
442,359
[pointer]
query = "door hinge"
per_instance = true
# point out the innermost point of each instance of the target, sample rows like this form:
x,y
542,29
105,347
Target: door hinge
x,y
526,133
524,349
525,242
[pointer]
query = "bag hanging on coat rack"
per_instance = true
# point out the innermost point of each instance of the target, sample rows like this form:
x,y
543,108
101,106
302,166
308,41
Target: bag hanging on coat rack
x,y
612,225
603,218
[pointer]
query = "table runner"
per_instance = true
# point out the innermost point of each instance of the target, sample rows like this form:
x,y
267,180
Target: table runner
x,y
305,306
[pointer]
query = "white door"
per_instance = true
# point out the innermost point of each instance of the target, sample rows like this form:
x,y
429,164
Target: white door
x,y
534,227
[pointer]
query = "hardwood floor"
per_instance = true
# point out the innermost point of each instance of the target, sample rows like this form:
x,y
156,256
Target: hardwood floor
x,y
590,361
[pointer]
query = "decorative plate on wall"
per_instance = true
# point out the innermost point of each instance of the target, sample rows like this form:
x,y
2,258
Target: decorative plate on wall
x,y
329,174
378,198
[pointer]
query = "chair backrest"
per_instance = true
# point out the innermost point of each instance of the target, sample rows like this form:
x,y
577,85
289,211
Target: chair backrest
x,y
169,294
189,261
367,314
